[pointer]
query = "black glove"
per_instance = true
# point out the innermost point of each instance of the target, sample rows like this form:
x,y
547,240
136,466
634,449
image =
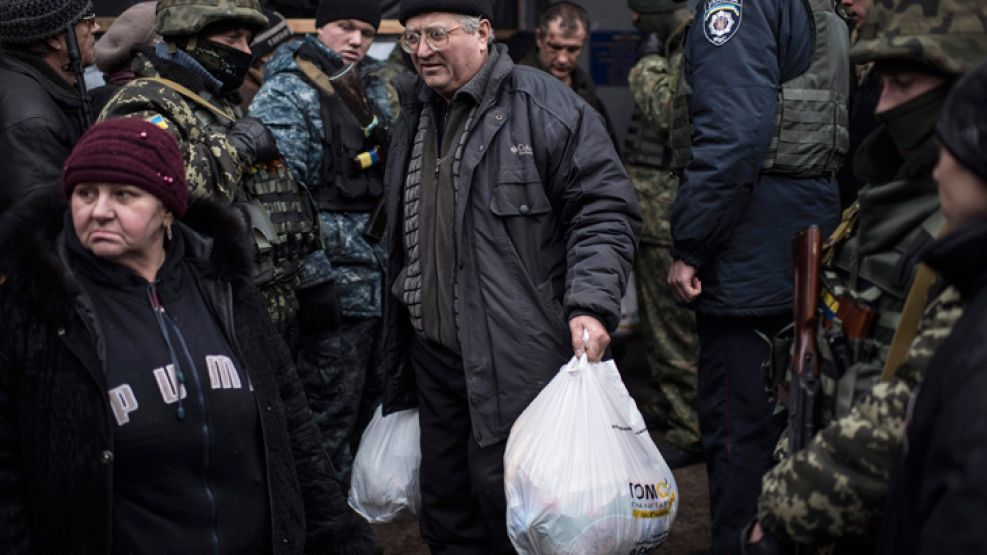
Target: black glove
x,y
253,141
769,544
318,308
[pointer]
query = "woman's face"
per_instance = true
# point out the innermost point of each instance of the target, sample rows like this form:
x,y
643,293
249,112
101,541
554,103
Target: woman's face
x,y
962,195
122,223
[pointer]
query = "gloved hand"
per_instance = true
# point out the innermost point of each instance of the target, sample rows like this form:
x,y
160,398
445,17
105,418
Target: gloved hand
x,y
253,141
318,308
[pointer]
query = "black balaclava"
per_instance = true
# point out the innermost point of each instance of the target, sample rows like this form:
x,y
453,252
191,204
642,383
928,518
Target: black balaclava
x,y
912,122
225,63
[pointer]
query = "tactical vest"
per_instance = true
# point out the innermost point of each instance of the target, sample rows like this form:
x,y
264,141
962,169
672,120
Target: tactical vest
x,y
278,210
644,145
344,186
810,130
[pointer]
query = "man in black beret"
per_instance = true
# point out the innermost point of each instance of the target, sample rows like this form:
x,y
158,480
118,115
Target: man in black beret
x,y
512,227
40,110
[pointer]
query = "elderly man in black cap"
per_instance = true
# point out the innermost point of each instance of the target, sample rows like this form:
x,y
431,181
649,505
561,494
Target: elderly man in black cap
x,y
512,226
41,115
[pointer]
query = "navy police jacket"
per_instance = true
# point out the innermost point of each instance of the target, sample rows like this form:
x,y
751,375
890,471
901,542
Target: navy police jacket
x,y
730,220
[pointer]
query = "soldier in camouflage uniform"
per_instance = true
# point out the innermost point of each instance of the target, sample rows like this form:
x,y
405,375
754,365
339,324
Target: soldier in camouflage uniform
x,y
836,487
188,85
669,330
320,137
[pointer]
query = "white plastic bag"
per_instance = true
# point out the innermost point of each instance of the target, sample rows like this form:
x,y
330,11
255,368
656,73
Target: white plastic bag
x,y
384,485
581,474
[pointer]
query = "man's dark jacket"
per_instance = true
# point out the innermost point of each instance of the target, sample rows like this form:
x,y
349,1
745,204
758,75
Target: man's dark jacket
x,y
56,427
40,121
938,495
546,226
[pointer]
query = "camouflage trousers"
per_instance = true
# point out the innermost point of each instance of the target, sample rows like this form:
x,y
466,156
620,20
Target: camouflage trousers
x,y
669,333
341,372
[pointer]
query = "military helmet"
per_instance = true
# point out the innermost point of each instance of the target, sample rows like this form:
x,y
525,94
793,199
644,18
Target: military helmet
x,y
189,17
947,35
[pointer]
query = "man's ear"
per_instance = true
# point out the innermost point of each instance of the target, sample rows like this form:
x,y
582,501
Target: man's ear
x,y
484,31
56,43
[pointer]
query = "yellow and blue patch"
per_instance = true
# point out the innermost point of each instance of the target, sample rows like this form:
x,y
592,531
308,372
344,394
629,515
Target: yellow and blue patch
x,y
159,121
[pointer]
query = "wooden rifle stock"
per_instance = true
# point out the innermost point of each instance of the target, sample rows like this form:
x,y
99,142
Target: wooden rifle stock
x,y
804,391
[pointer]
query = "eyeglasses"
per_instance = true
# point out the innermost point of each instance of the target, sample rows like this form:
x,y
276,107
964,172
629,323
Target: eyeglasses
x,y
436,39
89,19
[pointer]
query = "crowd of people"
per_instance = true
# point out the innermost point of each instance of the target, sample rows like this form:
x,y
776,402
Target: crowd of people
x,y
214,268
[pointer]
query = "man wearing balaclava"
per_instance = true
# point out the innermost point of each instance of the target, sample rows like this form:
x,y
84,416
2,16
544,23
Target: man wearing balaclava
x,y
188,85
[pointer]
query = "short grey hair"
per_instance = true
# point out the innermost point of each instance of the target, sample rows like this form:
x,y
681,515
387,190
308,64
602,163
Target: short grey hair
x,y
471,24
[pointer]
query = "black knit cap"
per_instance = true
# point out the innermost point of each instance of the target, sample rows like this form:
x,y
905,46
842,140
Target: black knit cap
x,y
411,8
962,126
361,10
27,21
277,33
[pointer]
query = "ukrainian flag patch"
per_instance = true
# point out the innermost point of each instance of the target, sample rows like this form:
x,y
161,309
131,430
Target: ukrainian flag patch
x,y
158,121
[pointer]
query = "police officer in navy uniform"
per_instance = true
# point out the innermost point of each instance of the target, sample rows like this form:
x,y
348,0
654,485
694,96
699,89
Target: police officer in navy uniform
x,y
753,174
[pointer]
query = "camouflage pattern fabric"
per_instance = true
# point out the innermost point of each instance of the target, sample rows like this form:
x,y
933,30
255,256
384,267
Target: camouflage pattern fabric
x,y
188,17
668,329
393,66
950,35
341,373
837,486
289,106
212,165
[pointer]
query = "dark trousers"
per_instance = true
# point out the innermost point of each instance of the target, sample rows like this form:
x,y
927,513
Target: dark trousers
x,y
463,506
739,432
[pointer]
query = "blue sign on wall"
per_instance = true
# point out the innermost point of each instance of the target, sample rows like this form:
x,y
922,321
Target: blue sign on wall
x,y
612,55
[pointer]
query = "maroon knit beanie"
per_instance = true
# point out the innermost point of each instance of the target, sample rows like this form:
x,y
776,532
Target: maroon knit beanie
x,y
129,151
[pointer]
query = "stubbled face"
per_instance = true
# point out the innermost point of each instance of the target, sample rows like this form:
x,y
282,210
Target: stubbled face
x,y
234,38
350,38
900,87
121,223
558,52
856,10
448,69
962,195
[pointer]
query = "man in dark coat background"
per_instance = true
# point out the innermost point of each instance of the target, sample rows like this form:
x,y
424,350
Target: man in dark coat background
x,y
40,109
511,230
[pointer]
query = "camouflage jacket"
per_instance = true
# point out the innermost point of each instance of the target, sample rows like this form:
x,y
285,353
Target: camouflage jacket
x,y
652,82
212,165
289,105
837,486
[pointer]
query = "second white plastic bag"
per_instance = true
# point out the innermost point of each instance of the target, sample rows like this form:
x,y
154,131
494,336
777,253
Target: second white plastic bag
x,y
581,474
385,484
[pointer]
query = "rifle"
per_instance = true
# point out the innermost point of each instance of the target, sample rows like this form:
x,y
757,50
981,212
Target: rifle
x,y
75,66
804,390
349,87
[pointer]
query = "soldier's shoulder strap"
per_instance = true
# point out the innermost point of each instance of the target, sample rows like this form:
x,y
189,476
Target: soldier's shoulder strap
x,y
847,223
193,96
315,75
911,316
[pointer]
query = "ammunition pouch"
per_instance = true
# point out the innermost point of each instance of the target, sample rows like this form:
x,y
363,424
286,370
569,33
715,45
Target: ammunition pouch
x,y
282,221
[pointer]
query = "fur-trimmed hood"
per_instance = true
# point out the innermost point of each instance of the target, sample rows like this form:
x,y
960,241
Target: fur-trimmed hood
x,y
38,280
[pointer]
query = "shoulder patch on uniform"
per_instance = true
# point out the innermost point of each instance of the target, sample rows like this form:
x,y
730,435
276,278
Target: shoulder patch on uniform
x,y
159,121
721,20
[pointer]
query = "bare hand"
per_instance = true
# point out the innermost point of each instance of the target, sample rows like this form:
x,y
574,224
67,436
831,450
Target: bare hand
x,y
598,337
757,533
684,282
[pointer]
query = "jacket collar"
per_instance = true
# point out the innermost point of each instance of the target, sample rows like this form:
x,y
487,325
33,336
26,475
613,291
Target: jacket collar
x,y
960,257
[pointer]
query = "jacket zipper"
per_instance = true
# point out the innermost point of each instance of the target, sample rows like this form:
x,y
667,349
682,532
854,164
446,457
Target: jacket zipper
x,y
163,321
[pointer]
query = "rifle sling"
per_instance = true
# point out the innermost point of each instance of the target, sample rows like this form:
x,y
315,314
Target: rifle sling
x,y
911,316
315,75
187,93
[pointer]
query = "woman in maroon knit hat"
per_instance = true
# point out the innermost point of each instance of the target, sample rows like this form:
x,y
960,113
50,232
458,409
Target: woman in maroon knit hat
x,y
147,404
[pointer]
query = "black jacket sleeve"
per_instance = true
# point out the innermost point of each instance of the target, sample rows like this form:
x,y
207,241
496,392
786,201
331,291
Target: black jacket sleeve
x,y
32,156
14,534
